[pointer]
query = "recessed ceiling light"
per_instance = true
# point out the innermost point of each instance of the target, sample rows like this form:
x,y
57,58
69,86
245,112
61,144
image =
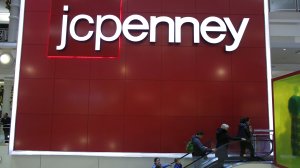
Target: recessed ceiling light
x,y
5,58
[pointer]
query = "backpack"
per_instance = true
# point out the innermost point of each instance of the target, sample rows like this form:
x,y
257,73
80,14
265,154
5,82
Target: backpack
x,y
189,147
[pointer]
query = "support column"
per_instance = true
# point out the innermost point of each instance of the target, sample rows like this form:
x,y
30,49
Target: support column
x,y
7,95
14,21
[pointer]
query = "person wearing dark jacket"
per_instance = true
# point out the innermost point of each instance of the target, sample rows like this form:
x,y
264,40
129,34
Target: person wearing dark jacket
x,y
5,121
177,163
223,138
245,131
200,151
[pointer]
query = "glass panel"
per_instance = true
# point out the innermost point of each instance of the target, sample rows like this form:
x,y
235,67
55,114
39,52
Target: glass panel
x,y
286,5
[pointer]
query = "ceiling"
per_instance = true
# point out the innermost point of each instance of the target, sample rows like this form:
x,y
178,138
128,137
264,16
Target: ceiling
x,y
285,42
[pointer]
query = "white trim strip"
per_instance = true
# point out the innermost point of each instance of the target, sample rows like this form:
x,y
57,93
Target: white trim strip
x,y
17,76
103,154
268,61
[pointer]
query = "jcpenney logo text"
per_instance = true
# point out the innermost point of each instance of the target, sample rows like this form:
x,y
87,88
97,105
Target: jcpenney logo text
x,y
221,26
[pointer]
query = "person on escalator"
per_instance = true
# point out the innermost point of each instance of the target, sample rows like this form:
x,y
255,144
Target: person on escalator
x,y
177,163
200,151
157,164
223,138
245,131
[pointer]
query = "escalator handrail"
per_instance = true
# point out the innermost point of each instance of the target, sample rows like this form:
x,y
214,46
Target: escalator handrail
x,y
232,142
196,160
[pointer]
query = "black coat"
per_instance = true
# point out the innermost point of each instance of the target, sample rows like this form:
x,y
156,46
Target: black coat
x,y
6,124
223,137
244,131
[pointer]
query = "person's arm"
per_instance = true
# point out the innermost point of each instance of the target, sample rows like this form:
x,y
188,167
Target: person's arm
x,y
165,165
203,148
233,138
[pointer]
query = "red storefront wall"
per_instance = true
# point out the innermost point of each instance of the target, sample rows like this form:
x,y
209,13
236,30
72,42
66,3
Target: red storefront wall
x,y
151,98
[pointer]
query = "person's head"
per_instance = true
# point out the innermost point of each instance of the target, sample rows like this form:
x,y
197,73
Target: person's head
x,y
245,120
5,115
225,127
157,161
199,134
176,160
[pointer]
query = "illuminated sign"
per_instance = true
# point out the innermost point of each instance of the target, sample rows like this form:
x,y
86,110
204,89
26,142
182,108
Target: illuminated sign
x,y
221,25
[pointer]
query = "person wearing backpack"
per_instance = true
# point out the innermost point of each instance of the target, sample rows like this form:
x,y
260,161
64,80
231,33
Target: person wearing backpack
x,y
199,150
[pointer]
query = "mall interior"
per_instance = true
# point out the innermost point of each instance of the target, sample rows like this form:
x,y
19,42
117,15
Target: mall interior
x,y
117,83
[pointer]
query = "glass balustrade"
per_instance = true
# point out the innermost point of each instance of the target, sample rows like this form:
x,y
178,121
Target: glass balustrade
x,y
284,5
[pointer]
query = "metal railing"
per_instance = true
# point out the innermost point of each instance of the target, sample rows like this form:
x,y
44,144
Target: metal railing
x,y
284,5
3,32
262,142
230,154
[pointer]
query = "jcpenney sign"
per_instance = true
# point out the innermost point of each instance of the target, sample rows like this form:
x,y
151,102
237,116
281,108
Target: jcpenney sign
x,y
221,26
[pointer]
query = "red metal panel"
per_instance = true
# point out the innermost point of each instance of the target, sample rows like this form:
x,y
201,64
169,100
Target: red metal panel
x,y
183,127
71,96
100,139
107,97
249,64
72,68
213,6
179,98
33,5
215,99
144,6
250,99
92,6
144,62
108,69
142,98
213,64
69,132
179,63
32,96
35,64
36,28
33,132
140,134
247,7
187,6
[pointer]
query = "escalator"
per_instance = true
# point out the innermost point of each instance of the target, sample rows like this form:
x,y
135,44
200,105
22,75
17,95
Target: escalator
x,y
229,155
